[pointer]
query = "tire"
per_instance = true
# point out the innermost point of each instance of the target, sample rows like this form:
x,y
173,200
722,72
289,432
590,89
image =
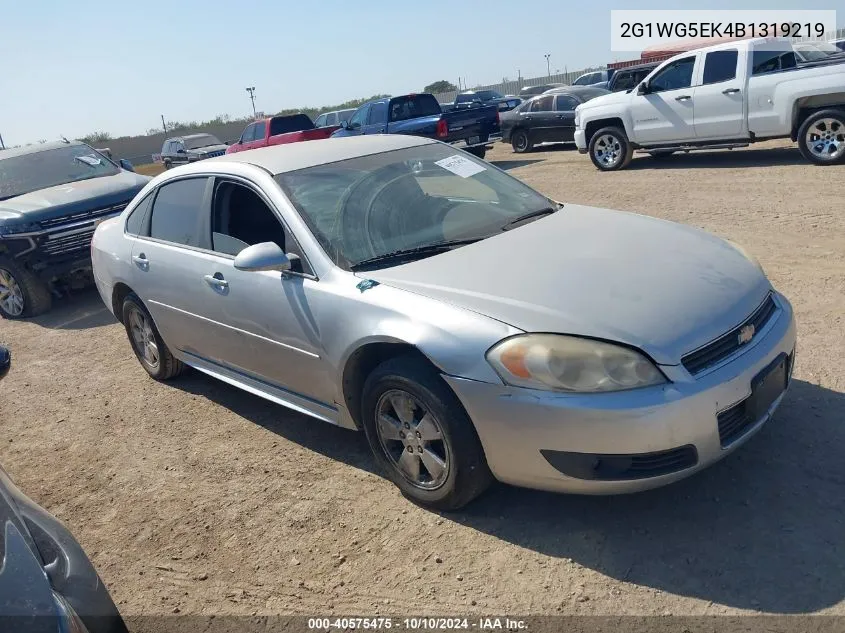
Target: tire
x,y
22,293
521,142
480,152
168,164
821,137
411,379
612,140
139,325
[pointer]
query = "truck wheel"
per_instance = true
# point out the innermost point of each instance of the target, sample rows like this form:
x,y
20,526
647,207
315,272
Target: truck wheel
x,y
480,152
421,436
168,164
22,294
610,149
821,138
520,142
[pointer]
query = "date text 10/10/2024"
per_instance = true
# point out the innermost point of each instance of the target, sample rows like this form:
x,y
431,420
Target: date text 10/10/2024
x,y
417,624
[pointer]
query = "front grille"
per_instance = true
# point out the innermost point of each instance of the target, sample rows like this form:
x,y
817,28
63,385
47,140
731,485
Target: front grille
x,y
73,233
218,153
620,467
716,351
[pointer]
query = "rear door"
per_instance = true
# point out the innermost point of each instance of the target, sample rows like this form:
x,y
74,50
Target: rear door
x,y
719,102
376,119
665,114
540,119
564,127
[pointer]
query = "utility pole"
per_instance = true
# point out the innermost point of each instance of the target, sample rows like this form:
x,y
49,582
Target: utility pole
x,y
163,124
548,64
251,92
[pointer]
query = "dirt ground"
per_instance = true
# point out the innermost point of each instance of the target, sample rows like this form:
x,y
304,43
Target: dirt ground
x,y
198,497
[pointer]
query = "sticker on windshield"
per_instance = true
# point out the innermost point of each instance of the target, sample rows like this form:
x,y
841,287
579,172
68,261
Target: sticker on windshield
x,y
460,166
89,160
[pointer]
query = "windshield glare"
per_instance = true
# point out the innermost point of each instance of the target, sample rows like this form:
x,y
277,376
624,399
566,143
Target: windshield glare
x,y
201,141
50,168
374,205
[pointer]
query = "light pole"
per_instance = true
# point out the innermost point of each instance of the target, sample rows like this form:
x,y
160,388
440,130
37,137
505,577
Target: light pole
x,y
251,92
548,64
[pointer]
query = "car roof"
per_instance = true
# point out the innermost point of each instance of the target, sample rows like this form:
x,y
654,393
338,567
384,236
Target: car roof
x,y
279,159
34,149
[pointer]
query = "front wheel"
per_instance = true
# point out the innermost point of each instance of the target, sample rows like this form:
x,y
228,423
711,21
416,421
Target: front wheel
x,y
22,294
421,436
821,138
521,142
610,149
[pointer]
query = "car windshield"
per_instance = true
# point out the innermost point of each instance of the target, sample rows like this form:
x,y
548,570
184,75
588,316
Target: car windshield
x,y
368,207
50,168
203,140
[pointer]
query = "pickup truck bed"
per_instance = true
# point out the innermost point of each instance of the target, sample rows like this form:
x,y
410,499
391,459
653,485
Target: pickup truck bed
x,y
278,130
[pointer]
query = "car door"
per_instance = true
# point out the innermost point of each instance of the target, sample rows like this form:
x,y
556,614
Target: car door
x,y
665,112
356,122
167,263
718,101
262,320
377,118
539,119
564,126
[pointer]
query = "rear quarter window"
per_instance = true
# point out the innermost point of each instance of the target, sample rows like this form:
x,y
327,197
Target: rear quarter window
x,y
136,221
176,212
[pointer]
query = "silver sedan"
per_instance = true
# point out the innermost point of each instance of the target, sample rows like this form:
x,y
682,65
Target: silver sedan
x,y
472,327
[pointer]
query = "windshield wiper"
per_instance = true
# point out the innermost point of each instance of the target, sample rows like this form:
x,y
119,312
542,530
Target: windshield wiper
x,y
413,253
530,215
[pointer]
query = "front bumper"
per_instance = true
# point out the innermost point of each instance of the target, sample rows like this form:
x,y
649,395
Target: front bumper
x,y
678,418
581,140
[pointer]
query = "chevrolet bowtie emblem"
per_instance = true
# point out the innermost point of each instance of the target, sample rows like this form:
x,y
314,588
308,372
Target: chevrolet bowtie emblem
x,y
746,333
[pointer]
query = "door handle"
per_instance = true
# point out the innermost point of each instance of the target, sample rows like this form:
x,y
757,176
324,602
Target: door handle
x,y
731,91
141,260
683,98
217,282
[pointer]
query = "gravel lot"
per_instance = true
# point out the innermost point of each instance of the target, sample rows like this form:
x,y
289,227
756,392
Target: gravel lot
x,y
198,497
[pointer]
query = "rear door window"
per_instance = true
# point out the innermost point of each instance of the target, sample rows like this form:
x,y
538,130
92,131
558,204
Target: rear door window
x,y
176,215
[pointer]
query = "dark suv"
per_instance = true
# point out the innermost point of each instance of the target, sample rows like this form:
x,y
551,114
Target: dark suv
x,y
181,150
52,197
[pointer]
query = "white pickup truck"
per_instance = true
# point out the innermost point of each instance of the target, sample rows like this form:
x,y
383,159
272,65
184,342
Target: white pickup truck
x,y
722,96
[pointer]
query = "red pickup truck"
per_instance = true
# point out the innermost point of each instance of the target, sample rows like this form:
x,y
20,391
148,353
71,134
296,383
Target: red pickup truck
x,y
278,130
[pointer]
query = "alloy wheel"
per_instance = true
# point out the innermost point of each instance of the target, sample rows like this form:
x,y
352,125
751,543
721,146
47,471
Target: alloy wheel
x,y
826,139
143,337
608,150
11,295
412,439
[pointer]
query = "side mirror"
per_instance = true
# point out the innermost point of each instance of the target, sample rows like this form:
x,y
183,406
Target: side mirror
x,y
126,165
5,361
642,89
263,256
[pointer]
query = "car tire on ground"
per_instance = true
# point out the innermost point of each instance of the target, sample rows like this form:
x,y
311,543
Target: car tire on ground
x,y
150,349
168,164
821,138
421,436
480,152
22,293
521,142
610,150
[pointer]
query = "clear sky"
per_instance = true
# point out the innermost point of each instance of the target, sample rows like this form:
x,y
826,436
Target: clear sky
x,y
71,67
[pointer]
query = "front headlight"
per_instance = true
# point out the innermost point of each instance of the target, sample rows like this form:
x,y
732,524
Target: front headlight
x,y
568,363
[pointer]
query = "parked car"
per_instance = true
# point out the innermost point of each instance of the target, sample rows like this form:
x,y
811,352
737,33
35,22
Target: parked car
x,y
47,583
722,96
279,130
529,91
475,98
594,77
332,119
547,118
421,115
51,198
471,326
181,150
628,78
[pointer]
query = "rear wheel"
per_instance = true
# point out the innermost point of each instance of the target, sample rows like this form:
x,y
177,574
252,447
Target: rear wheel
x,y
22,294
521,142
821,138
610,149
421,436
146,342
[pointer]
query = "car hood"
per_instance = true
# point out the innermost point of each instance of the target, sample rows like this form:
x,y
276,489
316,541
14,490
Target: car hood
x,y
210,148
73,196
662,287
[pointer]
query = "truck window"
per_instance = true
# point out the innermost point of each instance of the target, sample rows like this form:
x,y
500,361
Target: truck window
x,y
331,118
543,104
378,113
321,121
675,76
720,66
768,61
360,116
247,136
413,107
288,124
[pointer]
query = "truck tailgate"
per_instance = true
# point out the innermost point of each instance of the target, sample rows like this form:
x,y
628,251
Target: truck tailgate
x,y
473,125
